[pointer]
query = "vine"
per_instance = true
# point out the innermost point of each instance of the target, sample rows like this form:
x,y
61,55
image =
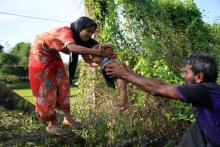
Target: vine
x,y
153,37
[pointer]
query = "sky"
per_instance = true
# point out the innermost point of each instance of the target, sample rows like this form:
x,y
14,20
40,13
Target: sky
x,y
210,10
14,29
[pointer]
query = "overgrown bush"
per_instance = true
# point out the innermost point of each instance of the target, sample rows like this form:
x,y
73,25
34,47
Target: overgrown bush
x,y
154,38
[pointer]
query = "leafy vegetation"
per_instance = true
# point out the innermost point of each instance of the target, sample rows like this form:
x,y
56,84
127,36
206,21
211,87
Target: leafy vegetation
x,y
13,65
153,37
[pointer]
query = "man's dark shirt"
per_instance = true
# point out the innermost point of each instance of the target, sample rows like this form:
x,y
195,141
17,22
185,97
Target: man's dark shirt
x,y
205,98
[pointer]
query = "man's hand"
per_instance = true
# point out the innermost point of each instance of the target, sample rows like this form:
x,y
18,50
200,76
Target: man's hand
x,y
117,70
105,50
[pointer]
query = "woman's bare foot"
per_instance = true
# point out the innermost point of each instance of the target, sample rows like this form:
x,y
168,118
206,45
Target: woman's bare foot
x,y
123,106
54,129
70,122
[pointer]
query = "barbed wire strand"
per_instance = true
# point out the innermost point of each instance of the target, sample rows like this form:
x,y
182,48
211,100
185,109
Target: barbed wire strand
x,y
32,17
13,77
12,65
20,65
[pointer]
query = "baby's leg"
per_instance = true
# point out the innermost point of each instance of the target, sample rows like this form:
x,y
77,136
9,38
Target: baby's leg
x,y
122,86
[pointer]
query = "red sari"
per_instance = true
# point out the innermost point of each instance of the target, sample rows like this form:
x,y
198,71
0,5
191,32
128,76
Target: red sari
x,y
47,75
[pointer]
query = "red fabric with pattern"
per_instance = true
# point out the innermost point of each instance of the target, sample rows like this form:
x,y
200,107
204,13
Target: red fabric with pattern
x,y
47,75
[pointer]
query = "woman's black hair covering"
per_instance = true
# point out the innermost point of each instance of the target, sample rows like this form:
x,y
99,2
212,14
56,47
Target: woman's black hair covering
x,y
76,27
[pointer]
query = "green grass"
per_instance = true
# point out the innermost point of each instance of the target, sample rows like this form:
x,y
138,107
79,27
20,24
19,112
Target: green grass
x,y
27,94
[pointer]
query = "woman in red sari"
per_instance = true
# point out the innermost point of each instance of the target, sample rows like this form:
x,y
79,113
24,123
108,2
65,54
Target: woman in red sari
x,y
47,75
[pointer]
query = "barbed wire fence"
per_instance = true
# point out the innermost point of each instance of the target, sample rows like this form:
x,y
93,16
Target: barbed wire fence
x,y
143,140
15,77
40,135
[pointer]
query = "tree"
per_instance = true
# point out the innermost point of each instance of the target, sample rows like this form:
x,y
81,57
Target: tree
x,y
1,48
153,37
215,31
6,60
153,29
21,50
15,62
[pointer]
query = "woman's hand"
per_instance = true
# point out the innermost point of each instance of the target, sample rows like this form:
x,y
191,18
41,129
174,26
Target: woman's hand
x,y
93,64
105,49
87,59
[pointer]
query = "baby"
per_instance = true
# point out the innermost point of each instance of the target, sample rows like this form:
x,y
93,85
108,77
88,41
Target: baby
x,y
121,84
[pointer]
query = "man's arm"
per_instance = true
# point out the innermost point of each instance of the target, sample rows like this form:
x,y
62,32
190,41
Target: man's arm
x,y
152,86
